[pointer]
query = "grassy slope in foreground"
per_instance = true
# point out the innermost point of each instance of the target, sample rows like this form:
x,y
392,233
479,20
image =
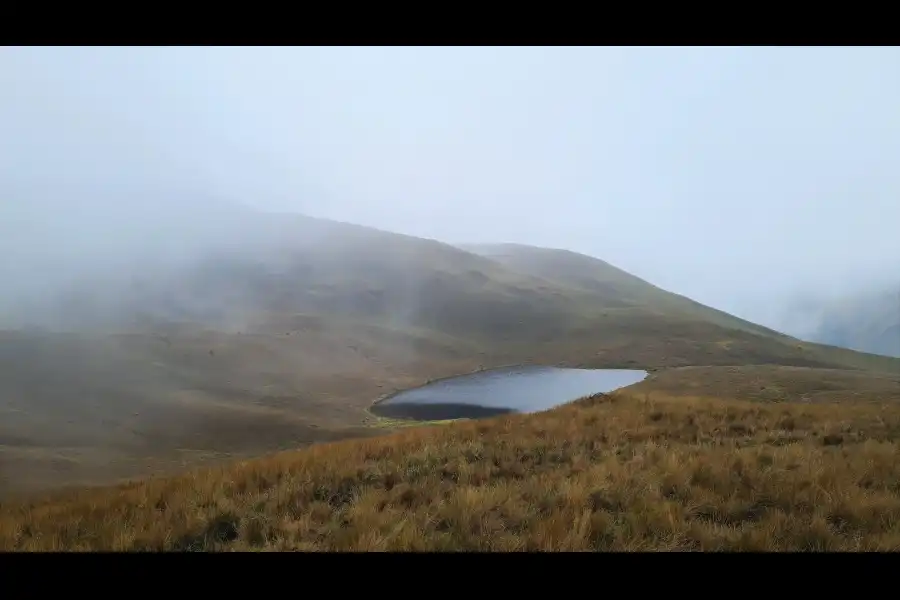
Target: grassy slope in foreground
x,y
625,471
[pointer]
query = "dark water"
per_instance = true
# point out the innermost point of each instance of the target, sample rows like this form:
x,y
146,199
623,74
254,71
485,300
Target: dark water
x,y
513,389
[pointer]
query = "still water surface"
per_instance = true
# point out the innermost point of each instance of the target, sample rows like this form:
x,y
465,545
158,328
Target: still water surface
x,y
498,391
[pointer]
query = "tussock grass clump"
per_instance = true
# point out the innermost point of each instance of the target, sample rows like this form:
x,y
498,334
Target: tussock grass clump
x,y
608,472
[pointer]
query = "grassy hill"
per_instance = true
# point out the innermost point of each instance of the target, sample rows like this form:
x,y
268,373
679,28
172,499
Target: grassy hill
x,y
671,464
637,309
616,287
79,408
267,332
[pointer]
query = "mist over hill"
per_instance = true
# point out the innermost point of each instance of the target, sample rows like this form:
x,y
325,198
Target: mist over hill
x,y
867,319
151,259
106,258
145,329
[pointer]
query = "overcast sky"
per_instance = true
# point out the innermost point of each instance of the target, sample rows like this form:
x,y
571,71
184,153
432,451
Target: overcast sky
x,y
732,175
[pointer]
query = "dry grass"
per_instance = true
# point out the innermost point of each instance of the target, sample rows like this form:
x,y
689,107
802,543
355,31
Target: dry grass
x,y
773,383
611,472
389,423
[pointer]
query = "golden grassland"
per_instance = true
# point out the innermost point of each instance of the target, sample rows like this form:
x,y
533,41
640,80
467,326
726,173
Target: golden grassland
x,y
648,468
772,383
95,409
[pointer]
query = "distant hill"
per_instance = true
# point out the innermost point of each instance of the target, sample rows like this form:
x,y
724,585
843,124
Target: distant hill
x,y
248,271
868,322
615,286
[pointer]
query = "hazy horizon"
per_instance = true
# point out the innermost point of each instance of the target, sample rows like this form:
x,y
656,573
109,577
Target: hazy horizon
x,y
744,178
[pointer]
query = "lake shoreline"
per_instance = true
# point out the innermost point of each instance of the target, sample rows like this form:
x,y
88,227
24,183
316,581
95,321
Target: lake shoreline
x,y
389,395
448,408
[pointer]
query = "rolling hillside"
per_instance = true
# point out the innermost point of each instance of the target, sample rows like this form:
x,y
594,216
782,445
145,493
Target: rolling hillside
x,y
671,466
636,305
265,332
603,280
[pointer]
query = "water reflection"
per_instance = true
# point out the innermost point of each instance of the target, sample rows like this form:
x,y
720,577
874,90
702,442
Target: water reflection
x,y
512,389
